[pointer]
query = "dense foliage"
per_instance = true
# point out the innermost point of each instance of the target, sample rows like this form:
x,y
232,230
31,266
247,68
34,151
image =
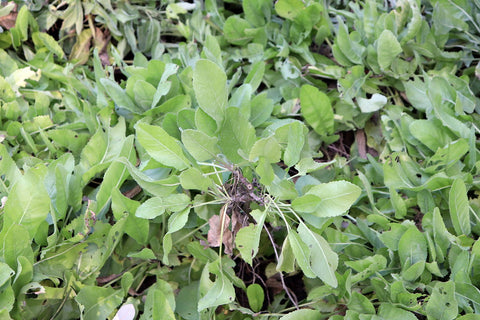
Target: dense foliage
x,y
239,159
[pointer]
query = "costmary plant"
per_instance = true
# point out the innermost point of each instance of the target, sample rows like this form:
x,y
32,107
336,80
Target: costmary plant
x,y
230,152
296,159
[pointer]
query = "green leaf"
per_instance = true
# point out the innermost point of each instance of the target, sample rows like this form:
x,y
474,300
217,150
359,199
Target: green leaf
x,y
350,50
247,242
236,135
295,143
255,76
375,103
255,297
286,261
160,302
157,206
193,178
135,227
301,252
50,43
469,292
430,133
9,169
23,275
257,11
398,204
360,303
247,238
261,108
21,22
307,165
28,203
459,208
17,243
5,273
269,148
119,96
235,30
303,314
178,220
205,123
328,199
388,48
222,292
187,300
289,9
390,312
317,110
144,93
323,260
145,254
442,304
116,174
412,247
98,302
210,86
414,271
161,146
201,146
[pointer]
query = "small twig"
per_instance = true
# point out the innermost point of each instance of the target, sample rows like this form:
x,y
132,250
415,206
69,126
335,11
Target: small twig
x,y
294,301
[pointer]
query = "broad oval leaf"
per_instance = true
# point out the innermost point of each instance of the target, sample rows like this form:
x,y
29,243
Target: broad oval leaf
x,y
237,135
161,146
255,296
200,145
317,109
28,203
155,207
210,86
388,48
328,199
412,247
442,304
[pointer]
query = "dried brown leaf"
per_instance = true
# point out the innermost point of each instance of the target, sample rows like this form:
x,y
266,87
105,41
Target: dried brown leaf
x,y
214,235
101,41
8,21
361,143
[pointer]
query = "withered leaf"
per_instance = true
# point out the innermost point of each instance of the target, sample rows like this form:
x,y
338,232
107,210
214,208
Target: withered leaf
x,y
214,235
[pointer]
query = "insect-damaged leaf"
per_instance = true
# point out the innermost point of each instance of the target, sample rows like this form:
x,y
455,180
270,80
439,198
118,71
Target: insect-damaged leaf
x,y
442,304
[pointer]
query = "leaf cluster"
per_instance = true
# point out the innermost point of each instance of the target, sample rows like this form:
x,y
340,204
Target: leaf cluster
x,y
229,160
